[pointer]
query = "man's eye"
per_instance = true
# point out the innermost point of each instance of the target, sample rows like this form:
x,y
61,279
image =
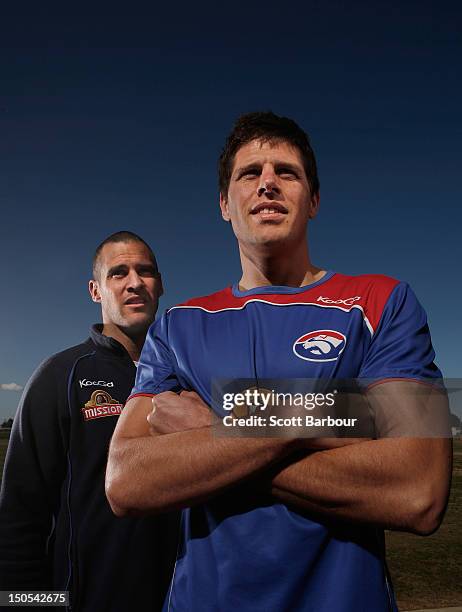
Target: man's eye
x,y
287,172
251,173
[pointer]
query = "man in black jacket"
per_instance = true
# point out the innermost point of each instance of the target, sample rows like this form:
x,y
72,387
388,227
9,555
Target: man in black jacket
x,y
57,531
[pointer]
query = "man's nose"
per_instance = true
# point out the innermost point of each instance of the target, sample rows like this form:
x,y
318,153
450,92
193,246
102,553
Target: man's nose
x,y
268,182
135,281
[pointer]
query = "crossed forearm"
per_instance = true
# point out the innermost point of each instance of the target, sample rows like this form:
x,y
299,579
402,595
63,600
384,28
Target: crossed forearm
x,y
400,483
160,473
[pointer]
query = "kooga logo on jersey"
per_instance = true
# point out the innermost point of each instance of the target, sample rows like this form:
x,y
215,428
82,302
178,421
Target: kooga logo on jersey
x,y
347,301
95,383
320,345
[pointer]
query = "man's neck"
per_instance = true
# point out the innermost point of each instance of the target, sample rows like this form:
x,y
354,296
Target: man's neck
x,y
132,344
289,268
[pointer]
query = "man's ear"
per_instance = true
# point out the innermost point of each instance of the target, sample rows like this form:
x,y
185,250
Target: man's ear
x,y
224,207
93,288
160,285
314,205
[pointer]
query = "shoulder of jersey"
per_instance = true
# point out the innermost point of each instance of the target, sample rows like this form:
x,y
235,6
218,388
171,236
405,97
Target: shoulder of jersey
x,y
70,354
63,361
220,300
368,292
377,285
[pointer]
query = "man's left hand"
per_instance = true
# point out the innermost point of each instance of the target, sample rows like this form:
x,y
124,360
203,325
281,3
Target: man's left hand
x,y
172,412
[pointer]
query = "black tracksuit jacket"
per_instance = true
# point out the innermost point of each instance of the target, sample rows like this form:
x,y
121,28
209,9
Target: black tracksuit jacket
x,y
57,530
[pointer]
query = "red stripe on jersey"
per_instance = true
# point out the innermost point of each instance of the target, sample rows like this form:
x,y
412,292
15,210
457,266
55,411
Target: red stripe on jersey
x,y
140,395
372,289
369,291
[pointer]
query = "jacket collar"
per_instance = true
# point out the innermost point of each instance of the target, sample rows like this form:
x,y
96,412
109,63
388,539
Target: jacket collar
x,y
106,342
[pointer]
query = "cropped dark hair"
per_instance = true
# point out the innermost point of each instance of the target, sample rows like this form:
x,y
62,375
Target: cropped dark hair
x,y
266,127
122,236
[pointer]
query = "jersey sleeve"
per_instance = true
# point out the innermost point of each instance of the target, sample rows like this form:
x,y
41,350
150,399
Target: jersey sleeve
x,y
401,345
156,370
34,470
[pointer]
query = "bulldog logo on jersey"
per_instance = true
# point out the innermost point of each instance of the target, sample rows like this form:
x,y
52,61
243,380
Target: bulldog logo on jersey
x,y
320,345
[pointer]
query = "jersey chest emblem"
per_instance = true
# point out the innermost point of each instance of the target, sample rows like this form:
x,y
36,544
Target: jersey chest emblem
x,y
101,405
320,345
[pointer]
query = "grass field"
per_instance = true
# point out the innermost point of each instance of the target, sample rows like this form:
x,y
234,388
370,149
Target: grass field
x,y
426,572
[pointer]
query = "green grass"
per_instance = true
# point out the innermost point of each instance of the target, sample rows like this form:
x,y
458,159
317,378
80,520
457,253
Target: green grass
x,y
426,572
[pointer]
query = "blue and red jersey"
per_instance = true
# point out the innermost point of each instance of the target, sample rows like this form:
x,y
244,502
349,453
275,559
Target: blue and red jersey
x,y
244,551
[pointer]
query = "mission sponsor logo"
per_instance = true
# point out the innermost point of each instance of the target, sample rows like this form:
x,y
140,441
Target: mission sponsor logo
x,y
101,405
320,345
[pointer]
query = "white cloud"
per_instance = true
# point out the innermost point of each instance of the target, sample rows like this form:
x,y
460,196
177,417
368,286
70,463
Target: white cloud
x,y
10,387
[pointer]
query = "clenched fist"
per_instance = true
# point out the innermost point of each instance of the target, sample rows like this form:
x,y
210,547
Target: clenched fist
x,y
172,412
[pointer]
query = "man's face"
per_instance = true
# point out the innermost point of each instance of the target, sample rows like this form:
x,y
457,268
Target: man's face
x,y
269,200
128,286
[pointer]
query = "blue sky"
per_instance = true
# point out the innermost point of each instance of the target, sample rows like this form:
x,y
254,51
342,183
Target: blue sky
x,y
112,122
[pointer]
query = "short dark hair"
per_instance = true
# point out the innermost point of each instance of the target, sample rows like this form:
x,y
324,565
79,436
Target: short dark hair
x,y
267,127
122,236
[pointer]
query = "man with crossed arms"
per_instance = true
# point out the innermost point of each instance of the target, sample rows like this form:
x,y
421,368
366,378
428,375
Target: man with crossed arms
x,y
275,524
